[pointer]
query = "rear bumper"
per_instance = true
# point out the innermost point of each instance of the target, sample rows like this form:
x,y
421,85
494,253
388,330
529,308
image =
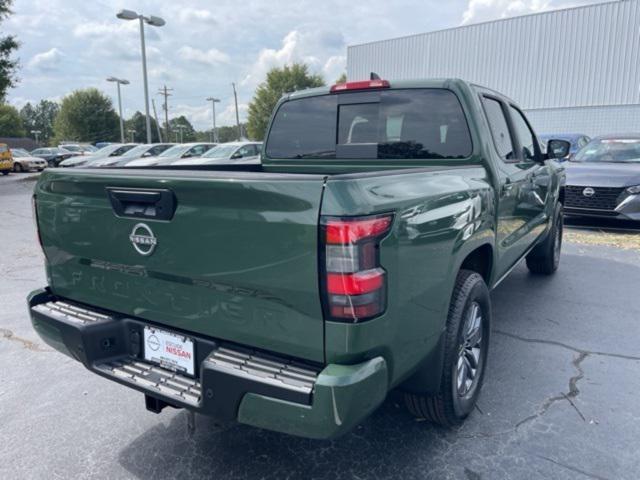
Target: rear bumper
x,y
231,382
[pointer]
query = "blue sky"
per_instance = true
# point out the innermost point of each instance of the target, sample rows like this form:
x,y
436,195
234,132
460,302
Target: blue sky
x,y
206,45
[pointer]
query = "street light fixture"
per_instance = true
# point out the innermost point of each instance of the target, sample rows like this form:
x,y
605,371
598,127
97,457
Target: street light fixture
x,y
154,22
119,81
213,101
36,133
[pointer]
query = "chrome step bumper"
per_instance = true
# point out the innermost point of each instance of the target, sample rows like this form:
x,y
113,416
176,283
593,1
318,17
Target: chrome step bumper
x,y
154,380
111,345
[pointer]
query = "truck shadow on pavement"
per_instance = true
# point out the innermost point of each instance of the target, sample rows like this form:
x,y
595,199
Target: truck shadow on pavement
x,y
537,368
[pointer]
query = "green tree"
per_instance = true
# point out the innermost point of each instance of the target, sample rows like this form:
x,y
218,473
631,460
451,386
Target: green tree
x,y
279,81
41,117
10,122
86,116
8,43
188,132
138,122
342,78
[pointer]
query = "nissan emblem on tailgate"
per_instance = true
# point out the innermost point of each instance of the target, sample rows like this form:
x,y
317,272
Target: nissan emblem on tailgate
x,y
143,239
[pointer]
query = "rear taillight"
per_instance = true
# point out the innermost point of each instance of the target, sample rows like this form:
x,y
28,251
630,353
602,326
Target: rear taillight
x,y
353,281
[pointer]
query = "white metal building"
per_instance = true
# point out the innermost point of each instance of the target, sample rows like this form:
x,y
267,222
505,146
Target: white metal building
x,y
573,70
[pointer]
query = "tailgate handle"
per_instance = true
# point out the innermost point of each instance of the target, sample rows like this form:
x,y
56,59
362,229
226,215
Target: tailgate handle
x,y
152,204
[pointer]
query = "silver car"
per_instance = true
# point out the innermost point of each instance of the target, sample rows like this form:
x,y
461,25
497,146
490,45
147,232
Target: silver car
x,y
113,150
226,153
177,152
24,162
141,151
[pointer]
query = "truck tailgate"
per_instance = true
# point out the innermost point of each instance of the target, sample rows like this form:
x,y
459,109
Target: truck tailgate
x,y
238,260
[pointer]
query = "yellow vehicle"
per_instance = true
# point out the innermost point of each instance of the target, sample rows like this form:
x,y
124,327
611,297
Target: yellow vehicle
x,y
6,160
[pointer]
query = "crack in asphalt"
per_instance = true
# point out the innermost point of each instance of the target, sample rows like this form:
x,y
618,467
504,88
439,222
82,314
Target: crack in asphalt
x,y
573,392
573,469
567,346
28,344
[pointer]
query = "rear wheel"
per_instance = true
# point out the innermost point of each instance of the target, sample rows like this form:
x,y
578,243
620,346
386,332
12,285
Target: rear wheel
x,y
544,259
465,356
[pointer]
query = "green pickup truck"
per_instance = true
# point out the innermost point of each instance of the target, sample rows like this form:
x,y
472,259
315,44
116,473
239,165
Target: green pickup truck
x,y
293,295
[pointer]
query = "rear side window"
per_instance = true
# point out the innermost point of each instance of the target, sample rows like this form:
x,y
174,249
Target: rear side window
x,y
499,128
525,134
3,148
393,124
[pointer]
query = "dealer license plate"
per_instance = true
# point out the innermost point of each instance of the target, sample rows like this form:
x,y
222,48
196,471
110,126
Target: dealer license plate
x,y
169,350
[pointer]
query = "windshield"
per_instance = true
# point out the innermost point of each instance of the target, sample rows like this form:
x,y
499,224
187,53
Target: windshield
x,y
106,151
221,151
137,151
71,148
18,152
621,150
176,151
392,124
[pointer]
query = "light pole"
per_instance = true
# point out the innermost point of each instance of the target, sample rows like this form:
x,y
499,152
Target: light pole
x,y
181,128
119,81
36,133
132,132
213,101
154,22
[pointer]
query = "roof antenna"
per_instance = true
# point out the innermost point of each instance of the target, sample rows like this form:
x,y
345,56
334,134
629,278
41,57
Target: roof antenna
x,y
374,76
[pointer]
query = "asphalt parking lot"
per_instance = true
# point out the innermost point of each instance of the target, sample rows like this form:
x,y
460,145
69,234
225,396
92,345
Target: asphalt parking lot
x,y
560,399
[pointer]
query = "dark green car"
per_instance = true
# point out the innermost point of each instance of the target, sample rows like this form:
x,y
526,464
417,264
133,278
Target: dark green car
x,y
293,295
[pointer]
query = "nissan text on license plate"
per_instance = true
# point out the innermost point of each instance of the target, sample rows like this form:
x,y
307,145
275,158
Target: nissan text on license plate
x,y
171,351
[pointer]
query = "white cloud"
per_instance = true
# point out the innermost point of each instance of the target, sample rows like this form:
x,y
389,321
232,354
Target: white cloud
x,y
189,15
213,56
104,29
313,47
334,67
486,10
48,60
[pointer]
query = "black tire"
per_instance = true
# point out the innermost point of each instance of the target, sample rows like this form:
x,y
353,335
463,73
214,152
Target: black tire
x,y
455,402
544,259
5,172
17,167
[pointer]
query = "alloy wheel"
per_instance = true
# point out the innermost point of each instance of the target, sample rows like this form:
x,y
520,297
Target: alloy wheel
x,y
469,357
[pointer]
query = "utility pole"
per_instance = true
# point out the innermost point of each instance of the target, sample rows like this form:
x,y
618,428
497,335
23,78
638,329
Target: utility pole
x,y
235,98
213,101
164,91
132,132
155,114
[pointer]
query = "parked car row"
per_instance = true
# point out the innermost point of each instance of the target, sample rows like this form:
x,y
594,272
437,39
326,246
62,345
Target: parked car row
x,y
168,154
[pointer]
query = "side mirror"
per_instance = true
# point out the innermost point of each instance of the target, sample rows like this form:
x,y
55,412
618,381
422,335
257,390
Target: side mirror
x,y
558,149
146,154
236,155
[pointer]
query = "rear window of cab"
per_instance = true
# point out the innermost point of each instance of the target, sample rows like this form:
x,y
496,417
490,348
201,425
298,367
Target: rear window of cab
x,y
381,124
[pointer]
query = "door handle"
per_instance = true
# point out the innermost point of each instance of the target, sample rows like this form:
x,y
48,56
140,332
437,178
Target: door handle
x,y
143,203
